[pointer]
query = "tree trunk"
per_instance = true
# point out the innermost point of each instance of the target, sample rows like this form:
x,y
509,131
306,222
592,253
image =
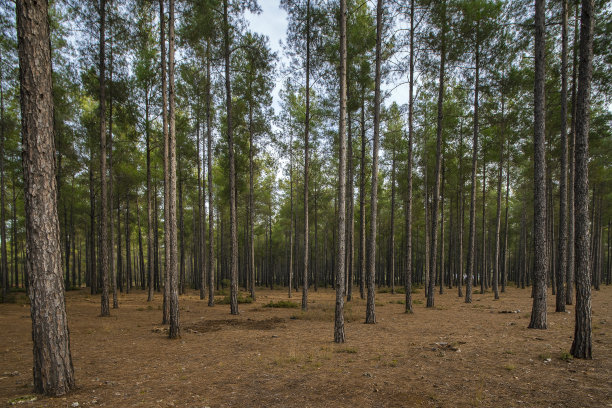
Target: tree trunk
x,y
339,336
569,277
581,346
392,233
408,205
232,169
471,256
562,242
211,246
370,307
362,210
496,263
4,262
538,311
436,194
52,368
483,248
442,268
104,253
171,232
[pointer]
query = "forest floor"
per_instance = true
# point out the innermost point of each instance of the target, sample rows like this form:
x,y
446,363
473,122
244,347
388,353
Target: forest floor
x,y
454,355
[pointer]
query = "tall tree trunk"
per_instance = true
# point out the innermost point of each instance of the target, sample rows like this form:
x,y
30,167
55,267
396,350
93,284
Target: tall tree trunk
x,y
569,276
442,268
181,226
200,233
496,263
52,368
484,227
370,307
436,194
128,253
211,246
251,234
392,233
408,204
4,263
581,346
166,158
339,336
232,169
471,256
171,232
291,226
306,161
562,242
362,210
350,215
113,272
504,277
538,311
460,217
104,253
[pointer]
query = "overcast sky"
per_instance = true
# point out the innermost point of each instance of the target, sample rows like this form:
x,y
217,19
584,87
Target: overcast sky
x,y
272,22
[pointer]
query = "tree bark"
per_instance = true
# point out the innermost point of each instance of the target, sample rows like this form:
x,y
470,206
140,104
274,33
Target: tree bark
x,y
104,253
370,306
52,368
362,210
433,252
339,336
211,246
538,311
562,242
232,169
171,232
306,162
408,205
471,256
4,262
582,346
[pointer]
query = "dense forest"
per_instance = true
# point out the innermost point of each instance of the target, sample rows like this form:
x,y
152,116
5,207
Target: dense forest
x,y
459,146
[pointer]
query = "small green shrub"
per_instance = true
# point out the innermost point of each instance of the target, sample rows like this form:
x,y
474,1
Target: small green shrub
x,y
226,300
282,304
347,350
565,356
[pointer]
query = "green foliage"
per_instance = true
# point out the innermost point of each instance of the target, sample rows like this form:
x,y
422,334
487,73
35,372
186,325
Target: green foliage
x,y
282,304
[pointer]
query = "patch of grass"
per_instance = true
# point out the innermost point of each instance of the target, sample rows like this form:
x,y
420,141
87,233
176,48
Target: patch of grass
x,y
508,352
226,300
347,350
417,302
380,304
282,304
544,356
22,399
565,356
510,367
397,302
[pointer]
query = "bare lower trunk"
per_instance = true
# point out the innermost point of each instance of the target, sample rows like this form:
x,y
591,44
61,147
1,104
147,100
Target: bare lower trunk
x,y
52,368
171,232
538,311
582,344
232,169
370,306
104,304
339,336
562,243
408,204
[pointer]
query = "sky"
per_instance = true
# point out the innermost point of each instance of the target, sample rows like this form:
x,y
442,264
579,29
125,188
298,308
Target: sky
x,y
272,22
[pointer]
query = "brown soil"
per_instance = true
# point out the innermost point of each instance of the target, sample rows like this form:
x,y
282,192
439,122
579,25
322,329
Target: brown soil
x,y
454,355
